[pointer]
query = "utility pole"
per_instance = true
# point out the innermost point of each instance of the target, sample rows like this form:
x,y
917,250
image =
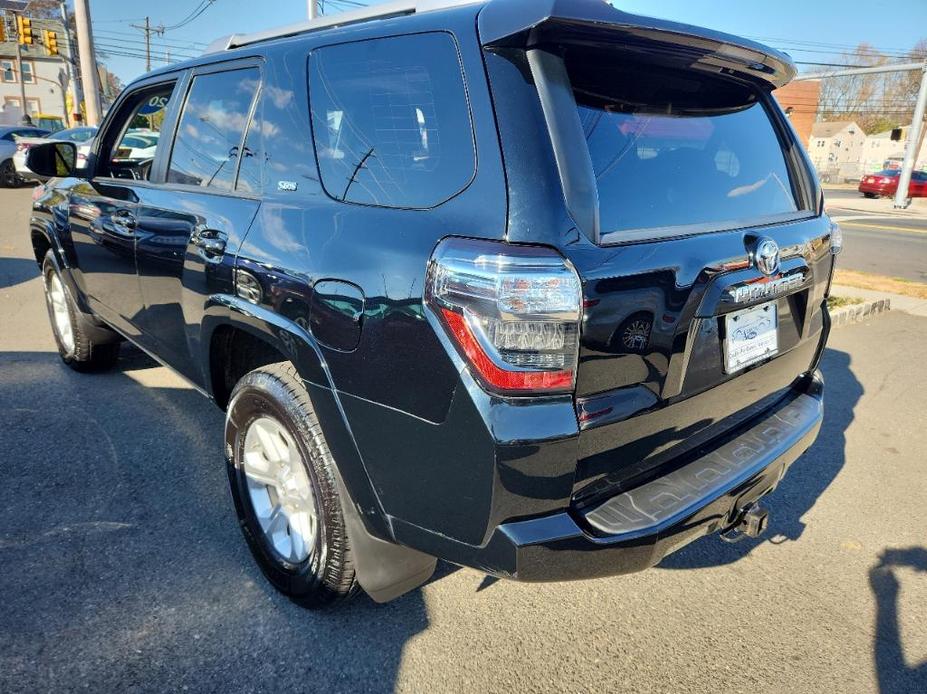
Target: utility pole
x,y
88,62
26,118
159,30
68,65
914,140
313,8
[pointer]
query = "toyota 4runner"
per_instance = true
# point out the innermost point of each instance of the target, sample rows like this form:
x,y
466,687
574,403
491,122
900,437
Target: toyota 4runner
x,y
532,286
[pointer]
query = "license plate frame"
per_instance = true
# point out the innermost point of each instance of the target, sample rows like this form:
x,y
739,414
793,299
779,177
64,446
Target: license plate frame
x,y
751,335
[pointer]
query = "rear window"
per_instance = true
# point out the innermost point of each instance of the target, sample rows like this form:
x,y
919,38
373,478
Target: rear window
x,y
671,149
391,121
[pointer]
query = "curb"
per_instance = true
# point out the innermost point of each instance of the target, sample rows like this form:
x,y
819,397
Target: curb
x,y
859,312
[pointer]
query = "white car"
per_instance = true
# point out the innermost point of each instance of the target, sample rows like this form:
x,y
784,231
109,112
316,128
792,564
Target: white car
x,y
137,146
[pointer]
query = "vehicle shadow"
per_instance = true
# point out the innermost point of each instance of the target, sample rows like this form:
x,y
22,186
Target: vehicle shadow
x,y
122,563
806,480
15,271
895,676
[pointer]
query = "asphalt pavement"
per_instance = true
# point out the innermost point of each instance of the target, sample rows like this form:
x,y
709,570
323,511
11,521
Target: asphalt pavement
x,y
122,568
880,242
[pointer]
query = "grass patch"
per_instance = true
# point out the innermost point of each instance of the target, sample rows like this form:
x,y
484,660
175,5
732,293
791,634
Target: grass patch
x,y
841,301
880,283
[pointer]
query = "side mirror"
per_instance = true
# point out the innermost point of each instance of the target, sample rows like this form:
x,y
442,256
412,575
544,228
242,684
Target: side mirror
x,y
52,159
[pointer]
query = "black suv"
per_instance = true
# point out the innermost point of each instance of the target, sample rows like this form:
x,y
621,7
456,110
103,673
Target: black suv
x,y
532,286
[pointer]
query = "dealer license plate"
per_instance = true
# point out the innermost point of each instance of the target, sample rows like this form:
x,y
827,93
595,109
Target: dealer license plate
x,y
751,335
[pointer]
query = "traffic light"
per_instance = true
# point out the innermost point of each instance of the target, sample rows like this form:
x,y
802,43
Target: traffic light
x,y
24,29
50,39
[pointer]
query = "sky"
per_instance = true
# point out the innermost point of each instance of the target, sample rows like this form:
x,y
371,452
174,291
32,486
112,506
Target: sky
x,y
811,31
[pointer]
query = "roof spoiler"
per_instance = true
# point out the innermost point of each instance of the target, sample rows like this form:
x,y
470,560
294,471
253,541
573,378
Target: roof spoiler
x,y
527,23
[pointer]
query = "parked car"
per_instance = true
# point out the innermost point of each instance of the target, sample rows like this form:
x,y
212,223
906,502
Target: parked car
x,y
48,121
14,138
137,147
376,240
885,184
81,136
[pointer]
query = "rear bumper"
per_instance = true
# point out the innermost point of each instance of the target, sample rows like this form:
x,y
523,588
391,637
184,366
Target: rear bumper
x,y
877,189
636,529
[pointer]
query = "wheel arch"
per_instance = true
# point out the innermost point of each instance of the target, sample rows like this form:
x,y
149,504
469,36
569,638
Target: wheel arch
x,y
42,238
384,569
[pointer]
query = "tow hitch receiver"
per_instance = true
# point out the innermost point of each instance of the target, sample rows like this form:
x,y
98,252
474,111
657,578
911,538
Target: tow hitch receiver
x,y
752,523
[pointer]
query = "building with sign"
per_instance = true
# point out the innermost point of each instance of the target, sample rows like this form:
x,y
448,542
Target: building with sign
x,y
46,71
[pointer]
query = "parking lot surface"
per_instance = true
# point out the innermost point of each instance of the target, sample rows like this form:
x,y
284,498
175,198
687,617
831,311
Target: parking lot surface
x,y
122,568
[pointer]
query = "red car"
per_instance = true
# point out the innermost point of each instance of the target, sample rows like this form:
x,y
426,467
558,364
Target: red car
x,y
886,183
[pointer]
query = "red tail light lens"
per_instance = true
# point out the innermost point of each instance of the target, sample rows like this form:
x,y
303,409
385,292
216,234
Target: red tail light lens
x,y
512,311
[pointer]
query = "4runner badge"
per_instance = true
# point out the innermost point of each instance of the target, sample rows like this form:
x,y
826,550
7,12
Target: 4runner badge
x,y
762,290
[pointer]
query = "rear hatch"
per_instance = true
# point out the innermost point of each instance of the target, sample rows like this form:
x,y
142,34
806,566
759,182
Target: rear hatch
x,y
688,210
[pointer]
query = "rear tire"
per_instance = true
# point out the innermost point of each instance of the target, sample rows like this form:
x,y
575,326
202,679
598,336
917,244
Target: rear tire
x,y
870,195
70,327
282,477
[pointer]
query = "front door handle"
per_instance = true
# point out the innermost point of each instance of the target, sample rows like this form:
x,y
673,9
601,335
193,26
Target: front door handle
x,y
208,240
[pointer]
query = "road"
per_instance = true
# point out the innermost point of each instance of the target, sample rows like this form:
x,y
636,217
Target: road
x,y
122,568
895,246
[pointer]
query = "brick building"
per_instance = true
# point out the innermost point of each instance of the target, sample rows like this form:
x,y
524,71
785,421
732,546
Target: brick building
x,y
799,100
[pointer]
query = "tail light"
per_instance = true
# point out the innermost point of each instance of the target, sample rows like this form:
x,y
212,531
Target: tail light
x,y
513,312
836,238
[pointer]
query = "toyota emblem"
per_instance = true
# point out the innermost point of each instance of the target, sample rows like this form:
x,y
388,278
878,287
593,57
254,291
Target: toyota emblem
x,y
766,256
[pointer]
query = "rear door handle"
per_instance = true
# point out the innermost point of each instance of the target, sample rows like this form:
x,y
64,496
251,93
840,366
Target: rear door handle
x,y
125,222
208,240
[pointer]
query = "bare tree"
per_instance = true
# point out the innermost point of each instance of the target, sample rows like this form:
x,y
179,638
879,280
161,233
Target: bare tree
x,y
876,102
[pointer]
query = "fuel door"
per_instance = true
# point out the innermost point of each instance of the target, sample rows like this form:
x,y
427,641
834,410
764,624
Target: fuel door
x,y
335,314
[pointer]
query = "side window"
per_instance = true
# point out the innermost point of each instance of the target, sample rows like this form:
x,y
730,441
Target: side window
x,y
211,128
391,122
251,168
142,115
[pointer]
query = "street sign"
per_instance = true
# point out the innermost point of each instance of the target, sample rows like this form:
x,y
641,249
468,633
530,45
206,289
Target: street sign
x,y
14,5
153,105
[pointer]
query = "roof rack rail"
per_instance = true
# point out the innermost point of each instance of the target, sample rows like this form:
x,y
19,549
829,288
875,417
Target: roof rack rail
x,y
398,8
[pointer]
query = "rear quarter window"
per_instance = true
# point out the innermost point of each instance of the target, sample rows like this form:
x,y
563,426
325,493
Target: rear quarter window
x,y
391,121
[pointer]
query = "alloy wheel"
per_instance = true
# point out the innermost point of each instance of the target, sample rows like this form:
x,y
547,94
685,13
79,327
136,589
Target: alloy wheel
x,y
61,313
280,489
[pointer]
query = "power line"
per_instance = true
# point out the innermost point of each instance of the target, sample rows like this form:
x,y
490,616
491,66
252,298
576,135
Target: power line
x,y
200,9
128,36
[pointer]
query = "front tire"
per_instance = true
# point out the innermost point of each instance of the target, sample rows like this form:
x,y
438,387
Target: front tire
x,y
72,334
282,477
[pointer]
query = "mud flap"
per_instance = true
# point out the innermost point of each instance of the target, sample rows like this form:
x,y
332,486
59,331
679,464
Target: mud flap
x,y
384,569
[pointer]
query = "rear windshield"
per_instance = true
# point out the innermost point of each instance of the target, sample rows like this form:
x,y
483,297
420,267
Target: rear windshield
x,y
673,149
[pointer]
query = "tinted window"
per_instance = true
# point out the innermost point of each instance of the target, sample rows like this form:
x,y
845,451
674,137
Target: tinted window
x,y
672,149
211,128
391,121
